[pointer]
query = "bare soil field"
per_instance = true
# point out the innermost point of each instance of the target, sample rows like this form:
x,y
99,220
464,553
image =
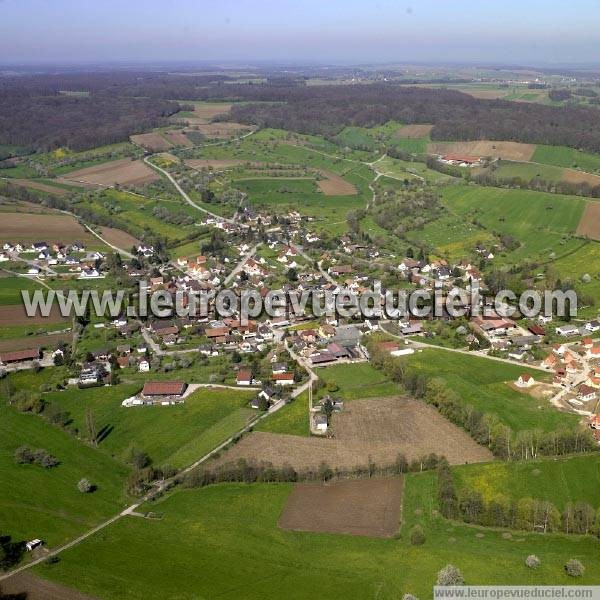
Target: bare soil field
x,y
413,131
118,237
589,225
154,142
29,227
178,138
378,429
574,176
215,163
14,314
209,111
369,507
334,185
35,341
221,130
123,172
508,150
27,586
38,185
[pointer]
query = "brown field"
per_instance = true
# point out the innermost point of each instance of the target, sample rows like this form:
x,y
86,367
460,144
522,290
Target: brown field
x,y
28,227
368,507
589,224
413,131
123,172
574,176
27,586
154,142
220,130
178,138
14,314
38,185
508,150
206,163
35,341
118,238
376,429
335,185
207,112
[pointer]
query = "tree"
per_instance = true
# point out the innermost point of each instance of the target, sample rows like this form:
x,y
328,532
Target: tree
x,y
574,568
450,575
417,535
327,408
532,561
85,486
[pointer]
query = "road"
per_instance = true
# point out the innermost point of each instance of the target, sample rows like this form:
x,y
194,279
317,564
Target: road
x,y
240,265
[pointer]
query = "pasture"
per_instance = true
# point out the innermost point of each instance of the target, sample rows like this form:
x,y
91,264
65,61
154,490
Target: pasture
x,y
543,223
483,384
561,156
559,480
206,531
45,503
173,435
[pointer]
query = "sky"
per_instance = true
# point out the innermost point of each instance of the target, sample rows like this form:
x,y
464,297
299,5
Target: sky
x,y
532,32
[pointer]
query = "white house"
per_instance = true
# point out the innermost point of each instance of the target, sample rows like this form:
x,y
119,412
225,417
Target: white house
x,y
525,380
144,366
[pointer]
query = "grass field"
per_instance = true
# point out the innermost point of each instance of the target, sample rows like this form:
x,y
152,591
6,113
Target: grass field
x,y
560,480
35,502
481,383
173,435
543,223
561,156
223,542
10,289
357,381
527,171
292,419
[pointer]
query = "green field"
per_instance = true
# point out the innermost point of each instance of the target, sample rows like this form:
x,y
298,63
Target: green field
x,y
10,289
357,381
559,480
543,223
35,502
482,383
173,435
527,171
223,542
292,419
561,156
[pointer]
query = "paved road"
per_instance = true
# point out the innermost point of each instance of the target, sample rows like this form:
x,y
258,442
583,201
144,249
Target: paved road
x,y
240,264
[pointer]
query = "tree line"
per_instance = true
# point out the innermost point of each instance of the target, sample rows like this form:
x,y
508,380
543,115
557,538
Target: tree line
x,y
527,514
485,428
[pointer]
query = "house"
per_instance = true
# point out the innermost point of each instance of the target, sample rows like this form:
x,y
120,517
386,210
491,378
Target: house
x,y
16,356
586,393
461,160
525,380
163,388
340,270
320,422
567,330
244,377
587,343
89,273
518,354
283,378
278,367
143,366
595,421
593,326
268,393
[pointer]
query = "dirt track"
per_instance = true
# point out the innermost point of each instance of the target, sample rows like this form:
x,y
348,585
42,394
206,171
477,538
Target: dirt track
x,y
369,507
376,429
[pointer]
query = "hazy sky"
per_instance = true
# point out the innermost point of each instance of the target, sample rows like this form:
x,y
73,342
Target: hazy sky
x,y
329,31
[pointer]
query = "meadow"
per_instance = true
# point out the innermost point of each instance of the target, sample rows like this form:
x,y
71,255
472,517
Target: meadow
x,y
562,156
170,435
219,538
560,480
482,383
45,503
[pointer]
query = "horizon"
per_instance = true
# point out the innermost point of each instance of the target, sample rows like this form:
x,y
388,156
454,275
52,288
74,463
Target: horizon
x,y
237,32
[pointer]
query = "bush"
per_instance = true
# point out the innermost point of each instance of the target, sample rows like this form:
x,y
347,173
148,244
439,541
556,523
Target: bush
x,y
450,575
23,455
574,568
85,486
532,561
409,597
26,456
417,535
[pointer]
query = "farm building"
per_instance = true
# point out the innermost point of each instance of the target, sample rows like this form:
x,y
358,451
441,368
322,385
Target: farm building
x,y
163,388
461,160
244,377
20,356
